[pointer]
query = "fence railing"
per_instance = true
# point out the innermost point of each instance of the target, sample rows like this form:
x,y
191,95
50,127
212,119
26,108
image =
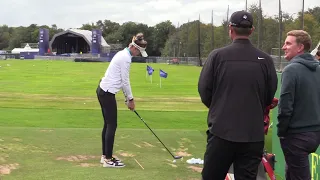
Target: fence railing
x,y
175,60
279,64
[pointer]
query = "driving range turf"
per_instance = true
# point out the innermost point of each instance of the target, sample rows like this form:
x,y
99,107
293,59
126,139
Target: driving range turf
x,y
51,122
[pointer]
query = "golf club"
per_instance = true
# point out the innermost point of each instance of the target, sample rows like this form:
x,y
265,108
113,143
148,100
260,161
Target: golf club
x,y
175,157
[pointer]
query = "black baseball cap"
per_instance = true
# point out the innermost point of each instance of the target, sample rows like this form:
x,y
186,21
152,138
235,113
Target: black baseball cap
x,y
242,19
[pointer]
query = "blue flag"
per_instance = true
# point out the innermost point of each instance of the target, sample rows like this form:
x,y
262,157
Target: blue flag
x,y
163,74
150,70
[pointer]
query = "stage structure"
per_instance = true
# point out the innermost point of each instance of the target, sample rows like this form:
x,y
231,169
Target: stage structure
x,y
79,41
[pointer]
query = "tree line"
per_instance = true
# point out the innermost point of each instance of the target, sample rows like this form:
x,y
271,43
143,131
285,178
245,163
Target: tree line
x,y
164,39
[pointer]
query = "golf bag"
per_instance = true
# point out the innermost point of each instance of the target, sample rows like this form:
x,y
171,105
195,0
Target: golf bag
x,y
268,161
267,165
265,168
266,115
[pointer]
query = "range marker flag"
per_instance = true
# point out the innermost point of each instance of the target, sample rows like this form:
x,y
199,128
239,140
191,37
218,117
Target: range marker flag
x,y
149,72
162,75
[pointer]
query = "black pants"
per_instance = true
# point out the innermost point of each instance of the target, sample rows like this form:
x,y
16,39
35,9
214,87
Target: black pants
x,y
220,154
296,149
108,105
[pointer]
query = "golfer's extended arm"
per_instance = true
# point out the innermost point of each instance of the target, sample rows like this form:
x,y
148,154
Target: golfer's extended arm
x,y
205,84
286,102
126,88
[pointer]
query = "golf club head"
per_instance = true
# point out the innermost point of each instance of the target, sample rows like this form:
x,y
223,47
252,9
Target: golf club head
x,y
177,157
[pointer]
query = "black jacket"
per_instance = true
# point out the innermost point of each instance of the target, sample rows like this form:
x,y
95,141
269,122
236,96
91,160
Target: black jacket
x,y
237,83
299,105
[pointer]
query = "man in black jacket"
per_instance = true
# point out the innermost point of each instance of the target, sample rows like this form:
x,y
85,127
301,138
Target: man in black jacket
x,y
237,83
299,107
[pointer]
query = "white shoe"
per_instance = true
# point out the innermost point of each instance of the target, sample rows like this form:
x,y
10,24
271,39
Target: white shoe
x,y
103,158
112,163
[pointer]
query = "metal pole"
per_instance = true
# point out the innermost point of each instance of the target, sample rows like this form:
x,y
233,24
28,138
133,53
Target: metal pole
x,y
280,34
199,49
302,16
212,31
259,25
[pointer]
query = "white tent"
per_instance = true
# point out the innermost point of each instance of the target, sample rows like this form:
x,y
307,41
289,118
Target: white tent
x,y
27,48
314,52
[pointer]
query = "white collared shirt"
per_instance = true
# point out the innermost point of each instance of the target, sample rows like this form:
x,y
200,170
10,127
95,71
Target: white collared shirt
x,y
117,74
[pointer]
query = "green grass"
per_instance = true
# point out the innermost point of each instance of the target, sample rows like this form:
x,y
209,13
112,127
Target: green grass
x,y
57,118
49,110
43,153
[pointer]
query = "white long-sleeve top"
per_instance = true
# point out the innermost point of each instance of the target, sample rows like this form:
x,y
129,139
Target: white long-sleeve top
x,y
116,76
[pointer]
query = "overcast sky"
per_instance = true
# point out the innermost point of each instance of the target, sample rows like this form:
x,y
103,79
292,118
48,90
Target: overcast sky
x,y
73,13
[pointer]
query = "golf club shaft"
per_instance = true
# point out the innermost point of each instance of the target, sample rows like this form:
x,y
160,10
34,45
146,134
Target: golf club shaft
x,y
153,133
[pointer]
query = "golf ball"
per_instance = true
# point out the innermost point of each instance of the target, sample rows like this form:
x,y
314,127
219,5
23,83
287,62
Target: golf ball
x,y
174,161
